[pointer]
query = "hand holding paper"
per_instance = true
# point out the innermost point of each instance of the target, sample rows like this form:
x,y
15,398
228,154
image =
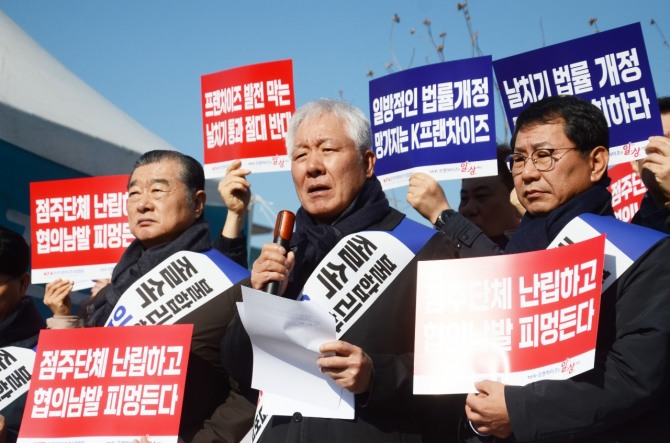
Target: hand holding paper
x,y
286,336
349,366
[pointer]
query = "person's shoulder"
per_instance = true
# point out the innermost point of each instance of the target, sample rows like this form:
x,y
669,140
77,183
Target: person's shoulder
x,y
659,249
650,264
397,219
389,222
440,246
633,239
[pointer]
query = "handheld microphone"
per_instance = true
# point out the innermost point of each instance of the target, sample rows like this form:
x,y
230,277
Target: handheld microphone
x,y
282,236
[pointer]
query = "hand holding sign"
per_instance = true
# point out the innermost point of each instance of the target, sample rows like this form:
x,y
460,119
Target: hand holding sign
x,y
426,196
57,296
656,169
486,410
235,191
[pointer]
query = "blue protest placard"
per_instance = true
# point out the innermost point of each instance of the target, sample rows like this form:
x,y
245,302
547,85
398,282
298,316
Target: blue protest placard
x,y
438,119
610,69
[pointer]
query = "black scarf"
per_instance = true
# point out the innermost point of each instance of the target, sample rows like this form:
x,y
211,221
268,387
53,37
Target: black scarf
x,y
314,241
137,261
537,232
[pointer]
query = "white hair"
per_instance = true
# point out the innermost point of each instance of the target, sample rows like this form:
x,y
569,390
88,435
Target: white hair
x,y
357,124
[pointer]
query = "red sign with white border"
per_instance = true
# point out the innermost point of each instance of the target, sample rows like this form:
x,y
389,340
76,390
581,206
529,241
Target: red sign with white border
x,y
107,384
513,318
79,227
245,113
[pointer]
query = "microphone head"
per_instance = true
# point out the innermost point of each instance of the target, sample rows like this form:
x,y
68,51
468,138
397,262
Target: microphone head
x,y
284,225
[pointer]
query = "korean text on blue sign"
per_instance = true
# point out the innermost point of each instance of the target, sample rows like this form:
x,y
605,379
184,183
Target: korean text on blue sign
x,y
610,69
438,119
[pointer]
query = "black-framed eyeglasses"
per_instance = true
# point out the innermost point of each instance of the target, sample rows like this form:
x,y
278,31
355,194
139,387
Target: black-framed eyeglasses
x,y
543,159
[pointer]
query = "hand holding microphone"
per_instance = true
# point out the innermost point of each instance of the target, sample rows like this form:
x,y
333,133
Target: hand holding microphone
x,y
282,236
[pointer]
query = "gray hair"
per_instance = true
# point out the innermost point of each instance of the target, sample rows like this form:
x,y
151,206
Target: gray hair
x,y
357,124
191,172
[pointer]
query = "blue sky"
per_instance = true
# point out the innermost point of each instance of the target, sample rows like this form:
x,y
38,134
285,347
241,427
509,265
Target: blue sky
x,y
147,56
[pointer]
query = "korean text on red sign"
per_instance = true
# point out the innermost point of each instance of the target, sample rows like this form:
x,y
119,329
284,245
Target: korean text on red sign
x,y
515,318
245,113
627,191
79,227
94,382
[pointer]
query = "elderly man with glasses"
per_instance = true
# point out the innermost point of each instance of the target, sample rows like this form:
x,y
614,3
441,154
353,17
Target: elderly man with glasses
x,y
626,397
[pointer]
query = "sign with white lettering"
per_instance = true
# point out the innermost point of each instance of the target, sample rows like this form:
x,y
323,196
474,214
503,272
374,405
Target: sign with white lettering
x,y
438,119
245,114
107,384
79,228
627,191
514,318
610,69
16,366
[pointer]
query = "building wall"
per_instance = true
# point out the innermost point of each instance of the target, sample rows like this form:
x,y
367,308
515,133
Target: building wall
x,y
17,169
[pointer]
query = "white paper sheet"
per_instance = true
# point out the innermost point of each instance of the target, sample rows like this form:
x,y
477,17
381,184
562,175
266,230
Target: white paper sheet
x,y
285,336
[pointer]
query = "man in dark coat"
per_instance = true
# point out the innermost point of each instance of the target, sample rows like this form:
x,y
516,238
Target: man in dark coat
x,y
166,203
559,164
345,219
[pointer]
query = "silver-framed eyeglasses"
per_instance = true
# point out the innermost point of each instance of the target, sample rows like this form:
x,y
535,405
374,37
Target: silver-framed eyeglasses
x,y
543,159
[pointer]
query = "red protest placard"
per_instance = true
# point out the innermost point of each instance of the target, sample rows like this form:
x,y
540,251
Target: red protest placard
x,y
513,318
245,114
79,227
627,191
107,384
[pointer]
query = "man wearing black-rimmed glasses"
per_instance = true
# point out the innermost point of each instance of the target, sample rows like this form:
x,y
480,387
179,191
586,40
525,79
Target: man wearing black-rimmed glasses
x,y
559,163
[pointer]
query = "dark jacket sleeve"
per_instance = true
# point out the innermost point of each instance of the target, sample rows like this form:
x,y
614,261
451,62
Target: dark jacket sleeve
x,y
385,331
469,239
393,355
237,354
233,248
237,357
211,396
626,394
229,422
